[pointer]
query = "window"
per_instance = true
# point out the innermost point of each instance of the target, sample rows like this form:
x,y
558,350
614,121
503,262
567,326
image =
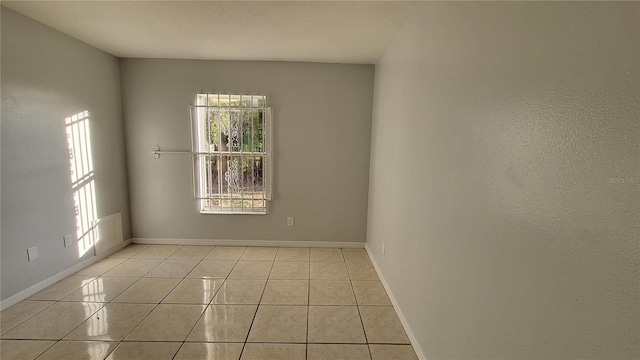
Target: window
x,y
232,153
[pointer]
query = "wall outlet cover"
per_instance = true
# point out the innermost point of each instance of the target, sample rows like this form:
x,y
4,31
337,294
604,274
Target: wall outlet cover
x,y
32,253
67,240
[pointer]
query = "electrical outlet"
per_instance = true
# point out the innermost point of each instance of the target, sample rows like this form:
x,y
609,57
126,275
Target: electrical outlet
x,y
67,240
384,248
290,221
32,253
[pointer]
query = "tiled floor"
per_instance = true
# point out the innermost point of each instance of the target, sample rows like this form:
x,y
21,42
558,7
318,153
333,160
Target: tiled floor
x,y
203,302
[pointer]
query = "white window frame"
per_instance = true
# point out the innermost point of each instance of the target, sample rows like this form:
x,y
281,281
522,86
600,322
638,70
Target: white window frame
x,y
203,151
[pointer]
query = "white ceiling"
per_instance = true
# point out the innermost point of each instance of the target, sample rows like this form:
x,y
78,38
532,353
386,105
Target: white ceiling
x,y
316,31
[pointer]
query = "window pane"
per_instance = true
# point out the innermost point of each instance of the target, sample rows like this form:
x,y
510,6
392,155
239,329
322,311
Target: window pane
x,y
218,125
213,178
223,100
246,101
253,177
258,131
247,131
235,100
213,100
259,101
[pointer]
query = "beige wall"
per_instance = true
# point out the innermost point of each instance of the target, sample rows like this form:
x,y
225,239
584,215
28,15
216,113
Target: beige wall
x,y
46,77
322,127
496,130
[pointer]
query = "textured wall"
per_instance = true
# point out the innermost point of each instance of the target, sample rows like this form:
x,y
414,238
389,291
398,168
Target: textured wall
x,y
46,77
504,178
321,135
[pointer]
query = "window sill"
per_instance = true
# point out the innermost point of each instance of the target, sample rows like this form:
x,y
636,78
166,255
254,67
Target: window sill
x,y
208,212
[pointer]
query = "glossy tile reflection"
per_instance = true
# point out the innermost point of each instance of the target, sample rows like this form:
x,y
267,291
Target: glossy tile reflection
x,y
211,302
133,267
111,323
167,322
194,291
21,312
63,287
224,323
240,292
102,289
148,290
54,322
101,266
79,350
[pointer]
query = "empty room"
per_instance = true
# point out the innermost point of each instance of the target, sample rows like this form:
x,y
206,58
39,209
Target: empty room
x,y
319,180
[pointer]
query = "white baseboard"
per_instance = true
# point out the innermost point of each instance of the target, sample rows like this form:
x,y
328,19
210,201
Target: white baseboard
x,y
59,276
403,319
227,242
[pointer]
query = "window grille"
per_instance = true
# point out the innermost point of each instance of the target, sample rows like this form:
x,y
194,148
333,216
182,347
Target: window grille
x,y
231,146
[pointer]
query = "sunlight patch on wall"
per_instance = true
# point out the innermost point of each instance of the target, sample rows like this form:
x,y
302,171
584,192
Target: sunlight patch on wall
x,y
82,180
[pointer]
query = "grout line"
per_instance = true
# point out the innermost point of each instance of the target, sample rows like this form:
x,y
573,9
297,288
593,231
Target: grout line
x,y
243,346
61,300
36,288
103,304
206,306
47,349
366,339
3,331
112,350
152,310
160,302
258,307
